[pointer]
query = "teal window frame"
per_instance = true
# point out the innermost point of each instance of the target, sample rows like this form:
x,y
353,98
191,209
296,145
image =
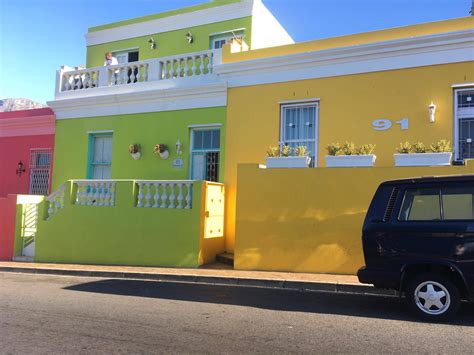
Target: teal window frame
x,y
203,151
90,154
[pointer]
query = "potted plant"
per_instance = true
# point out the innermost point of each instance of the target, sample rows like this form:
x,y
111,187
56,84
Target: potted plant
x,y
134,150
351,156
161,150
417,154
287,157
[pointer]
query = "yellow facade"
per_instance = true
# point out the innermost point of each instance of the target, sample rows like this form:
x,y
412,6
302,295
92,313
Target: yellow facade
x,y
286,218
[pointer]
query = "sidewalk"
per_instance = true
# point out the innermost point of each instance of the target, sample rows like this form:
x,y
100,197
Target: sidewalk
x,y
214,274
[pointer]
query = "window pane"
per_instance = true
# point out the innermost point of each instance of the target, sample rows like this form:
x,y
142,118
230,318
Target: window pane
x,y
458,202
216,139
420,205
107,153
197,141
207,137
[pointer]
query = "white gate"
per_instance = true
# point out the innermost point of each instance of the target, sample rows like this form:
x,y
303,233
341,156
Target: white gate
x,y
40,171
29,222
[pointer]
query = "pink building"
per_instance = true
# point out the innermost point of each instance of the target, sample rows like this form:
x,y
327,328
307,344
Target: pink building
x,y
26,149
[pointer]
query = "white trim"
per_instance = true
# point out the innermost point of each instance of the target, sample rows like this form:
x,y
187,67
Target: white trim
x,y
465,85
125,50
194,126
140,101
287,102
181,21
226,32
452,47
100,132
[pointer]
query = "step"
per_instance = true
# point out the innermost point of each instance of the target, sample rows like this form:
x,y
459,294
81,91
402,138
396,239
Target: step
x,y
24,259
225,258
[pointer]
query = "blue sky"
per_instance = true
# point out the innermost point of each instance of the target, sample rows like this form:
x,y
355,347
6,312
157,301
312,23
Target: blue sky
x,y
38,36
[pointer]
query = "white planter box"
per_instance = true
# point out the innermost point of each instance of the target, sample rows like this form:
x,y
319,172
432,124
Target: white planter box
x,y
288,162
350,161
423,159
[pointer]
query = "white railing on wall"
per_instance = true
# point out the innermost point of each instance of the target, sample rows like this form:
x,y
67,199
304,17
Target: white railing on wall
x,y
164,194
55,201
95,192
164,68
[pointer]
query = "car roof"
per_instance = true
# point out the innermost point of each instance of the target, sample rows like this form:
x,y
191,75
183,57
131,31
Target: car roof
x,y
432,179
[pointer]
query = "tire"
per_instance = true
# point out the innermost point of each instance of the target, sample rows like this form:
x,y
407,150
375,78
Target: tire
x,y
433,297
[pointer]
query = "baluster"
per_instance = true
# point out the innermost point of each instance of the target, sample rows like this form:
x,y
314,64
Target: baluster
x,y
186,66
172,196
180,195
96,193
84,193
148,195
111,77
188,195
124,72
201,67
67,84
61,197
156,197
175,70
132,74
140,195
58,203
100,187
107,194
78,195
146,67
112,193
50,207
95,81
194,68
163,196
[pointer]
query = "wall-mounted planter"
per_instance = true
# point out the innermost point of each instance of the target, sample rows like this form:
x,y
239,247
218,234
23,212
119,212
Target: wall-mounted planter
x,y
136,155
423,159
288,162
350,161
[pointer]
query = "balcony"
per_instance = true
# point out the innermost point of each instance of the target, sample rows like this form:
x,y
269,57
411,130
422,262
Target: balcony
x,y
158,73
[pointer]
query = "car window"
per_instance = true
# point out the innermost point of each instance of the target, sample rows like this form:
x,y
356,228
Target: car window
x,y
421,205
458,202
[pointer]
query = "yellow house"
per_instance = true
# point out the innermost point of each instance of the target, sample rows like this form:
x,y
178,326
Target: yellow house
x,y
409,84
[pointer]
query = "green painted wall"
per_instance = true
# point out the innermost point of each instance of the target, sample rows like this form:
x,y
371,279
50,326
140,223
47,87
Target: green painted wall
x,y
169,43
188,9
147,129
121,235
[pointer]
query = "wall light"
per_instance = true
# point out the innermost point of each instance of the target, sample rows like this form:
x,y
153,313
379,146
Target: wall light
x,y
152,43
178,147
20,169
432,111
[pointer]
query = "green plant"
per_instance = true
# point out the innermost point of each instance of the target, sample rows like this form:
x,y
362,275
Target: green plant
x,y
418,148
333,148
133,148
159,148
441,146
301,151
365,149
273,152
285,150
348,148
404,148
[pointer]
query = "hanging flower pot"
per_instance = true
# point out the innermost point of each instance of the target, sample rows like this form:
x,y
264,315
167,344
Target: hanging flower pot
x,y
161,150
134,150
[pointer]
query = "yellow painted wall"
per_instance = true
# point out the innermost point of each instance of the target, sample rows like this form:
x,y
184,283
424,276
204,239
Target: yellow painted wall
x,y
309,220
459,24
348,105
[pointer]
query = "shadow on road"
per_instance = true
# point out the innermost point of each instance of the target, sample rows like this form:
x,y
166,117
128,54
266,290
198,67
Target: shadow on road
x,y
272,299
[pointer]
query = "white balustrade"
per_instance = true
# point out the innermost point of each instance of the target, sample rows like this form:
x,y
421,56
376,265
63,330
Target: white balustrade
x,y
185,65
95,192
165,194
80,79
128,73
55,201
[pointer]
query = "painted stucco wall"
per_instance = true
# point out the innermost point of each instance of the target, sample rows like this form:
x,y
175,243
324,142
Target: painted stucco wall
x,y
122,234
7,226
169,43
348,105
309,220
146,129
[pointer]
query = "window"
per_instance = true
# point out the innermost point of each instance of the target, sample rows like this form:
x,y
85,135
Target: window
x,y
433,204
421,205
218,41
128,56
205,154
299,126
40,171
464,124
458,202
100,156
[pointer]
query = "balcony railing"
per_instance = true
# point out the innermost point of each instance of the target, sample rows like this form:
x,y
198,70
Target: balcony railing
x,y
165,68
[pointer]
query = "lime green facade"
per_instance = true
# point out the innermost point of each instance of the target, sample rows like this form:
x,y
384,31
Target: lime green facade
x,y
169,43
146,129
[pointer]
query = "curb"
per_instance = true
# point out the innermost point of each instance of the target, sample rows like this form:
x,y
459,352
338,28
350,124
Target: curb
x,y
305,286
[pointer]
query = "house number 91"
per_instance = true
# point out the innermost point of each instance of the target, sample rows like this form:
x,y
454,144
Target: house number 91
x,y
384,124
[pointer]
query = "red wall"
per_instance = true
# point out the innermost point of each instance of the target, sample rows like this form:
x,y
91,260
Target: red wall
x,y
7,226
12,150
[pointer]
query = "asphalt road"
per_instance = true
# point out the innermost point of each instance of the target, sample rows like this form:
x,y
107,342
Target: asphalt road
x,y
57,314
